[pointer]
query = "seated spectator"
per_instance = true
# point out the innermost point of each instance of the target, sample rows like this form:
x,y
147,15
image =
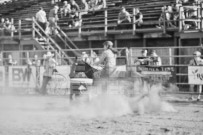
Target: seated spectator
x,y
53,18
74,5
162,17
138,17
66,9
84,8
2,26
155,60
196,61
178,4
96,5
74,18
193,14
123,17
166,17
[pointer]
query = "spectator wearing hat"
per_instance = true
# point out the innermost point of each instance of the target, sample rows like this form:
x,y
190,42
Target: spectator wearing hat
x,y
144,59
155,60
66,9
196,61
49,66
108,58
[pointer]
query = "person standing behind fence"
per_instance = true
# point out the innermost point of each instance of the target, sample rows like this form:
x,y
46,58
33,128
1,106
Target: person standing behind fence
x,y
144,59
155,60
36,61
41,18
53,18
11,62
49,66
196,61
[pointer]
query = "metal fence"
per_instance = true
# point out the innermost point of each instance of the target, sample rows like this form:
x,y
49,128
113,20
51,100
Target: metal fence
x,y
179,57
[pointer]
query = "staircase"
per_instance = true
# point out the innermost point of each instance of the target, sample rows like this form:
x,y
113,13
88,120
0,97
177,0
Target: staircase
x,y
50,44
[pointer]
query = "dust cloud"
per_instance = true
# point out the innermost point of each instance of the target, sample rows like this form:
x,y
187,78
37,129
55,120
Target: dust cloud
x,y
141,98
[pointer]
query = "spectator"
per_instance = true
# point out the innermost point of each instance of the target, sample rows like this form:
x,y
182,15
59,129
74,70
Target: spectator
x,y
97,5
66,9
178,4
162,18
196,61
8,26
84,8
138,17
41,18
123,17
49,66
53,18
144,59
155,60
2,26
74,16
36,61
11,62
74,5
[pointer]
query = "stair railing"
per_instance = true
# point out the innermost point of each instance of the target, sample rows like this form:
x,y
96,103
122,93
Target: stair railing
x,y
67,39
59,50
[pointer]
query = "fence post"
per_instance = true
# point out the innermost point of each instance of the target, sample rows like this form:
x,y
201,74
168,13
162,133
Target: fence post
x,y
33,27
105,22
201,10
80,25
12,26
198,16
165,21
170,56
180,19
19,29
134,19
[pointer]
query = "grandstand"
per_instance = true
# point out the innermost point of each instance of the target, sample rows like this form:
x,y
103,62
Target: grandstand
x,y
96,27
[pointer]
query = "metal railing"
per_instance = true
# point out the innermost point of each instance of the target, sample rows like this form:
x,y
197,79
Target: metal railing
x,y
178,57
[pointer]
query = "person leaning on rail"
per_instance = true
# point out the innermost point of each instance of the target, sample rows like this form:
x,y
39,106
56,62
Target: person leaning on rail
x,y
196,61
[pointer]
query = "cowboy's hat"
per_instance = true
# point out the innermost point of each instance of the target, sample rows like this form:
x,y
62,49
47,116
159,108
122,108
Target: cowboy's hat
x,y
49,54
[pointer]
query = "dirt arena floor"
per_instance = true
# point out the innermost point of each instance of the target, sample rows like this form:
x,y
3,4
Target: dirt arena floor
x,y
50,115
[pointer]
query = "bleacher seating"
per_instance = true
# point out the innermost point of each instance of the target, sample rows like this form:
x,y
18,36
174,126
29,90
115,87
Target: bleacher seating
x,y
151,10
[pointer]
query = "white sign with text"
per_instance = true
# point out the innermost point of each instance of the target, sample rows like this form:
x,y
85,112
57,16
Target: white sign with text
x,y
195,75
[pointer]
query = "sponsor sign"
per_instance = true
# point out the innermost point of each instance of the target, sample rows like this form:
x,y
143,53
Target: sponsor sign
x,y
60,79
162,74
22,77
195,75
2,76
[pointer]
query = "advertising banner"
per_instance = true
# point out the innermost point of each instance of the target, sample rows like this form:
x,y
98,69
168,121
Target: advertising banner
x,y
22,77
195,75
2,76
164,74
60,79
